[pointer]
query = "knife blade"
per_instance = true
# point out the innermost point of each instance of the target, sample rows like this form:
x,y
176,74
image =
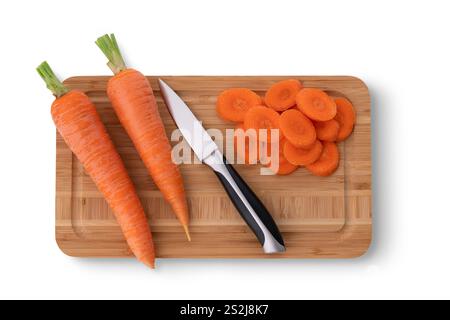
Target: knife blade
x,y
251,209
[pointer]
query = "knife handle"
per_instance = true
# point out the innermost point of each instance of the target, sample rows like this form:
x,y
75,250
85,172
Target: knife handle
x,y
251,209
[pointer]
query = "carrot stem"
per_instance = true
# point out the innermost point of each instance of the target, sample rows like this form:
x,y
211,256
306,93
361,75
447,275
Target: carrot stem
x,y
51,80
110,48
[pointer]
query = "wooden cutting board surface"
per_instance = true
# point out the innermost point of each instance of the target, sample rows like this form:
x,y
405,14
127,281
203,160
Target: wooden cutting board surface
x,y
319,217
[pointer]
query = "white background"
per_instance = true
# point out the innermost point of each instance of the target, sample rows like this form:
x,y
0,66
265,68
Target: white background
x,y
400,48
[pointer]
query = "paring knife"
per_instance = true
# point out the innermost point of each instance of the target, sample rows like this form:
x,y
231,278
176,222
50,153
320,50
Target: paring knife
x,y
251,209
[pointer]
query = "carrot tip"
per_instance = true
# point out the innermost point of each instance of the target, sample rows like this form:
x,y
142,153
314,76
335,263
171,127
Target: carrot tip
x,y
186,230
149,263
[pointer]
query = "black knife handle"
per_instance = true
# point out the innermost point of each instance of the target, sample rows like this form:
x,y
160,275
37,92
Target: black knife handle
x,y
251,209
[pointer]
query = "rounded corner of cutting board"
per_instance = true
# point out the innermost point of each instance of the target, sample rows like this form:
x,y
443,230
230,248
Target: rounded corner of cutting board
x,y
62,247
360,81
367,249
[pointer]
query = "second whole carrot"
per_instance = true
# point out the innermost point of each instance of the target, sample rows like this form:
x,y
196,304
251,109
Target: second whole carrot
x,y
135,105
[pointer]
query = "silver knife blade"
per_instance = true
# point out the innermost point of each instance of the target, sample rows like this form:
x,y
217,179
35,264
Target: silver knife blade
x,y
191,128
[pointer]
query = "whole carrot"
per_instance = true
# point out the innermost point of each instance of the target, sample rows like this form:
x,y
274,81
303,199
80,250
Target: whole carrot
x,y
80,126
135,105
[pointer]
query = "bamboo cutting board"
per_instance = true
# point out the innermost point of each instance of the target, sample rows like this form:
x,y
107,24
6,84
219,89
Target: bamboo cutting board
x,y
319,217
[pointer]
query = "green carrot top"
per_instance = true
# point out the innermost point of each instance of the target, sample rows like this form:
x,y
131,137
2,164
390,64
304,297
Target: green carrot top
x,y
110,48
52,81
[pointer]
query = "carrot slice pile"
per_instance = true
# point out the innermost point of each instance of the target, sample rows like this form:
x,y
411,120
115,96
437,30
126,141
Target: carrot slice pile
x,y
346,117
297,129
316,104
233,104
302,157
307,134
328,161
262,118
327,130
281,96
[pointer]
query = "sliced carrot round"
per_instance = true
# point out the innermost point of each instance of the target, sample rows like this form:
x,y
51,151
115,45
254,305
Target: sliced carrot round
x,y
281,96
297,129
302,157
316,104
284,166
328,161
233,104
327,130
346,117
262,118
249,153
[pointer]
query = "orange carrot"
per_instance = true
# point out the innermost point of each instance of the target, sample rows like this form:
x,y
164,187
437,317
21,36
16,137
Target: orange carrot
x,y
281,95
297,129
316,104
262,118
346,117
327,130
80,126
248,153
328,161
233,104
135,105
284,166
302,157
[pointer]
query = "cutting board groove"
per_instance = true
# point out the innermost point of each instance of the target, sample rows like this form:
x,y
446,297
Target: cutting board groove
x,y
319,217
